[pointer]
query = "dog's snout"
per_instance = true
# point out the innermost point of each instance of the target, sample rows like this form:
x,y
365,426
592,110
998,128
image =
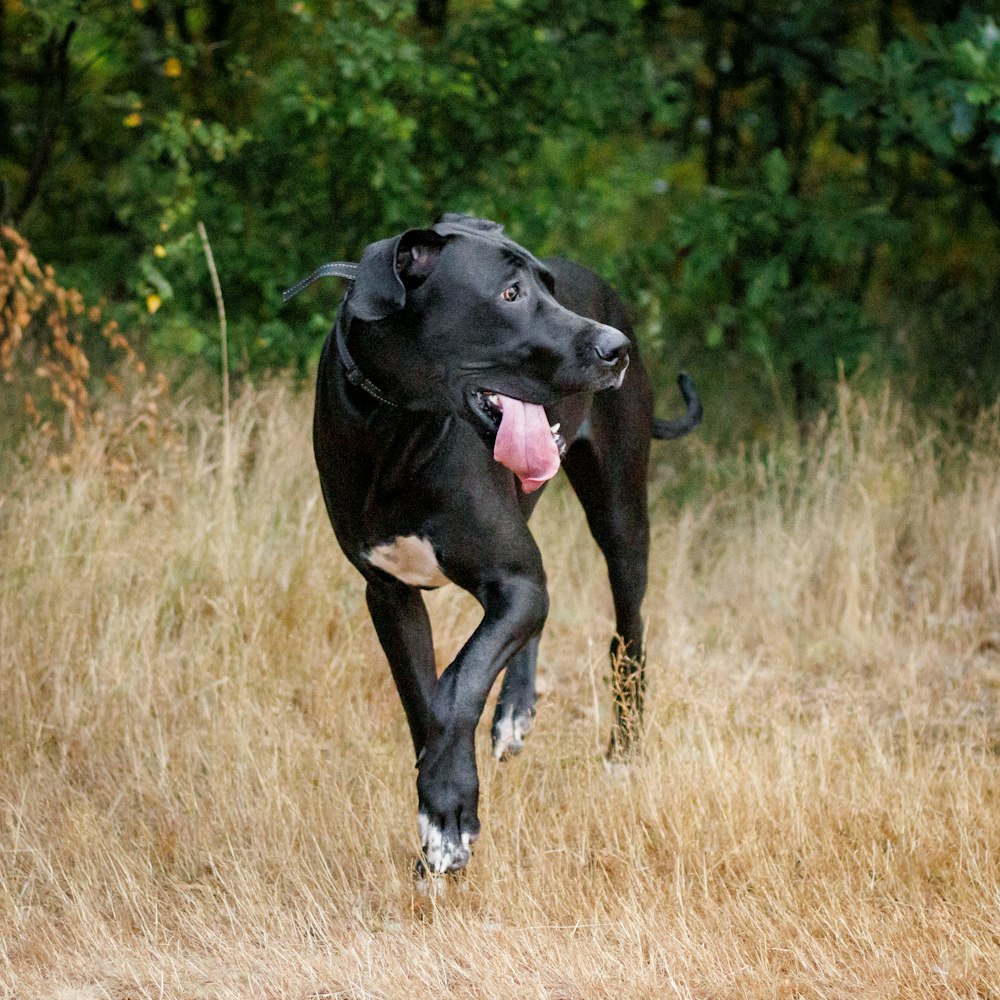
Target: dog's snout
x,y
611,346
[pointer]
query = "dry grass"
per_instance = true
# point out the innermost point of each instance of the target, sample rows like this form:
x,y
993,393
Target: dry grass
x,y
206,788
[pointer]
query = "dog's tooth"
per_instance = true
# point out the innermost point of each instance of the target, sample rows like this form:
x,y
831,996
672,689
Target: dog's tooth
x,y
555,428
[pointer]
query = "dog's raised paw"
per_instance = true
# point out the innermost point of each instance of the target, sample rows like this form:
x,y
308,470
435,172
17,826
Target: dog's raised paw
x,y
619,771
510,729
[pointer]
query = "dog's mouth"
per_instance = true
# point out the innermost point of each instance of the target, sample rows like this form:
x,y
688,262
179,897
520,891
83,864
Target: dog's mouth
x,y
523,439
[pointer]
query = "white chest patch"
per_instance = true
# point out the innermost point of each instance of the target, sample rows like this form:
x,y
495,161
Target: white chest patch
x,y
410,559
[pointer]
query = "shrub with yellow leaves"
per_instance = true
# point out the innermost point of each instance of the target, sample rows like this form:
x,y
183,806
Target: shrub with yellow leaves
x,y
42,331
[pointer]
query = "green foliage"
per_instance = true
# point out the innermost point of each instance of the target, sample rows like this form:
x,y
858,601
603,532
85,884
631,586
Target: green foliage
x,y
930,105
777,273
782,187
939,94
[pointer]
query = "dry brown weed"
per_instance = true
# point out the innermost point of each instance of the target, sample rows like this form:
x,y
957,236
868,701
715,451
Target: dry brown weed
x,y
42,337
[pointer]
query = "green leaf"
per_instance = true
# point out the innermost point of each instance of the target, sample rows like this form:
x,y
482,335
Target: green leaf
x,y
770,279
982,93
844,102
777,173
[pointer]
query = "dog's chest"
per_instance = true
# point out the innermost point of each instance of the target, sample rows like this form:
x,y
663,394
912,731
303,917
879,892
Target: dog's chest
x,y
409,558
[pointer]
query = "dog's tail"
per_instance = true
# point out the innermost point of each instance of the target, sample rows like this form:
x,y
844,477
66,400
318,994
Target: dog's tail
x,y
666,430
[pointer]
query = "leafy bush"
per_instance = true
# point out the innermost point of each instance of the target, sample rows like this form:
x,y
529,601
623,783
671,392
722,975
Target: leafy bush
x,y
782,187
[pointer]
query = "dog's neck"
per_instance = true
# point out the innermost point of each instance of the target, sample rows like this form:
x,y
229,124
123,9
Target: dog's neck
x,y
352,372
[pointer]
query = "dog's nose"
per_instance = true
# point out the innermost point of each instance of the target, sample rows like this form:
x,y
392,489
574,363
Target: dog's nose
x,y
611,346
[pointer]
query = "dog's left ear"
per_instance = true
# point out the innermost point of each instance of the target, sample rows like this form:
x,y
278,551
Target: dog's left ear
x,y
390,268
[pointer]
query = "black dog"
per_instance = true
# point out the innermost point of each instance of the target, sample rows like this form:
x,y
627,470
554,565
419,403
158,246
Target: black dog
x,y
460,370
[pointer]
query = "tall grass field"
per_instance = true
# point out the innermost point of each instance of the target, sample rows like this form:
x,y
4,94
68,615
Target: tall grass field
x,y
207,787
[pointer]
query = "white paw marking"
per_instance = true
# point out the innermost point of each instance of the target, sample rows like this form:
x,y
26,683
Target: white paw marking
x,y
442,853
618,770
409,558
509,733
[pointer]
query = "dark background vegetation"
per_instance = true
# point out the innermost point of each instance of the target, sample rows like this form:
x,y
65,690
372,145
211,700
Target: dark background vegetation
x,y
780,187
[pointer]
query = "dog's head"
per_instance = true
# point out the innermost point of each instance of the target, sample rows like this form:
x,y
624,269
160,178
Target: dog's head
x,y
461,318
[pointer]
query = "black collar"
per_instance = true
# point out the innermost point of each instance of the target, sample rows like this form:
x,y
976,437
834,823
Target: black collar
x,y
341,269
351,370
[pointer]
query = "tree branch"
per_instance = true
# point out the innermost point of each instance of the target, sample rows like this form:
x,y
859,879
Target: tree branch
x,y
55,68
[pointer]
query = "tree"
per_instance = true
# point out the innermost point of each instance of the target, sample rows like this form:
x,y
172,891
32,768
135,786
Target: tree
x,y
785,185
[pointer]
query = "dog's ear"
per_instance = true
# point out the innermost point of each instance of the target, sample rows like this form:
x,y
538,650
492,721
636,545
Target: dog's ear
x,y
390,268
417,255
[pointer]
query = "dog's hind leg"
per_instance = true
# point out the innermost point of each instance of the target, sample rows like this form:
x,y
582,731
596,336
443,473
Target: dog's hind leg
x,y
515,712
611,484
404,630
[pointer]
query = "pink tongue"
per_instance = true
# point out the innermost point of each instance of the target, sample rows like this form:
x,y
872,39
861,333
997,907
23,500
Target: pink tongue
x,y
525,443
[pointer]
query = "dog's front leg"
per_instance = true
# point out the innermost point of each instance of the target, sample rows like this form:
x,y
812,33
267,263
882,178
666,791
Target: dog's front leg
x,y
404,630
448,784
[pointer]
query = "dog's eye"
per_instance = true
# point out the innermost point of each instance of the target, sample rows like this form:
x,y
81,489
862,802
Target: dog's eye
x,y
511,292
